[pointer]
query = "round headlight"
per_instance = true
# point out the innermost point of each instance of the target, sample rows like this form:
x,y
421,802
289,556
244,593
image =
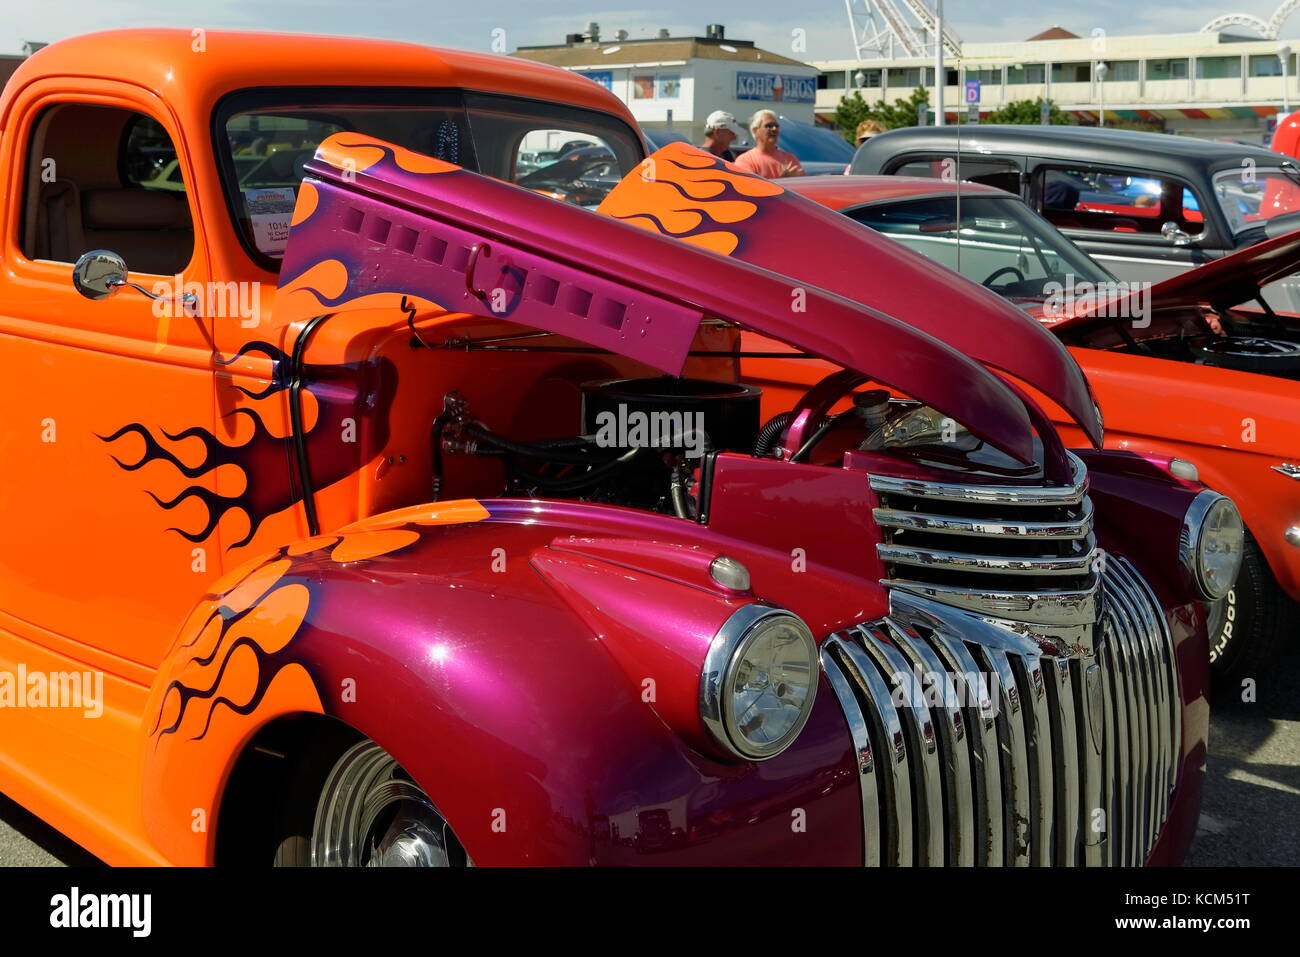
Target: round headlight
x,y
759,681
1212,539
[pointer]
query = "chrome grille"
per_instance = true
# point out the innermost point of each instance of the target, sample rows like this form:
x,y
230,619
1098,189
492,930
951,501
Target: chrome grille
x,y
1064,754
1023,552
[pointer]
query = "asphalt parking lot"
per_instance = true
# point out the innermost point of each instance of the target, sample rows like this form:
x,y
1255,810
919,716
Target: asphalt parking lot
x,y
1249,818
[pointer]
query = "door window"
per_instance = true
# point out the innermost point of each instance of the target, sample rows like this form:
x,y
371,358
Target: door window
x,y
106,178
1117,202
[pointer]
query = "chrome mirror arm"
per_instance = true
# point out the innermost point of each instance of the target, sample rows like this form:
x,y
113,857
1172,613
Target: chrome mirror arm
x,y
188,299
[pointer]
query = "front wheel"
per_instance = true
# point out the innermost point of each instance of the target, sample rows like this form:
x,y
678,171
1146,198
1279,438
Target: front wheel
x,y
371,813
1245,625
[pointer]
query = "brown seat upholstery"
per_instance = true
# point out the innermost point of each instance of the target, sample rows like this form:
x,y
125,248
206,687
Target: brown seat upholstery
x,y
58,222
150,229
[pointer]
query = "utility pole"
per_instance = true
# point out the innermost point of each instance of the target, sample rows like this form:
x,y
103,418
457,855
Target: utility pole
x,y
940,75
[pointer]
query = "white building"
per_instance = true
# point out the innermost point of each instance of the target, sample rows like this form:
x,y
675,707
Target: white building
x,y
1204,84
676,82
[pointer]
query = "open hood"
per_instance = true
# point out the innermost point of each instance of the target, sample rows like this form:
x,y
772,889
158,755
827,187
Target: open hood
x,y
688,193
1223,283
374,220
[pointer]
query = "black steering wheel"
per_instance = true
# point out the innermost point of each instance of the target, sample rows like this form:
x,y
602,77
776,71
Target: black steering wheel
x,y
1020,277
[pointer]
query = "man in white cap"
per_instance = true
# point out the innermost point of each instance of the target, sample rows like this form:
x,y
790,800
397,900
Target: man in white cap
x,y
720,131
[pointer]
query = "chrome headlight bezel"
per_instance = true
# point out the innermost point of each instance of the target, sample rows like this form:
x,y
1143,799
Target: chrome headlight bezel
x,y
1204,507
726,652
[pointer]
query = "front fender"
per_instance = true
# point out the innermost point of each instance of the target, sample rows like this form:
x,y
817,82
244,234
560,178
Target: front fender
x,y
441,637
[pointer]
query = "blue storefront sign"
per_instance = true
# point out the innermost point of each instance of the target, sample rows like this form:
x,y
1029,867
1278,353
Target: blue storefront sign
x,y
604,78
775,87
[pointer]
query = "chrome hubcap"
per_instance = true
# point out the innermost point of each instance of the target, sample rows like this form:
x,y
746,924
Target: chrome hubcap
x,y
371,814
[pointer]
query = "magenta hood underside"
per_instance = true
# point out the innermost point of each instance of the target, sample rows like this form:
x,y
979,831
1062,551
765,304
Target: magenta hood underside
x,y
406,224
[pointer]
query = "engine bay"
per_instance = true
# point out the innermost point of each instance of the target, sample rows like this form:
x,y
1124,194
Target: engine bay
x,y
647,442
1262,343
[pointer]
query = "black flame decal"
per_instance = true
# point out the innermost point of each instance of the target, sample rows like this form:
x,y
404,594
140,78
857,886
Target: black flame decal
x,y
265,459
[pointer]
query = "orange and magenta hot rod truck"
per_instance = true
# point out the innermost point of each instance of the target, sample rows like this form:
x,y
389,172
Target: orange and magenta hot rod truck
x,y
381,487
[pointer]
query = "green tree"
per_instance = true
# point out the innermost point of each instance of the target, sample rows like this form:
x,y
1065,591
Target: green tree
x,y
853,109
1028,112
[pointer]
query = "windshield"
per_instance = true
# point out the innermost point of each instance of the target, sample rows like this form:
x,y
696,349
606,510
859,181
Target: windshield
x,y
998,242
1250,195
570,154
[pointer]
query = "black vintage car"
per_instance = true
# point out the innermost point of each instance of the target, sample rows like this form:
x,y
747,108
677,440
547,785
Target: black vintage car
x,y
1145,205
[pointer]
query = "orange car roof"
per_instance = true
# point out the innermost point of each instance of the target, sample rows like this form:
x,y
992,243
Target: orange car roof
x,y
167,62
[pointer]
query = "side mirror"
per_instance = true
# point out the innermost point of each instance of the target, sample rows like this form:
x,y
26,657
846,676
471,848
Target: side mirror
x,y
99,274
1173,234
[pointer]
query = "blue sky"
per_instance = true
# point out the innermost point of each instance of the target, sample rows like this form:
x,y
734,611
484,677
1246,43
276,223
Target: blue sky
x,y
470,25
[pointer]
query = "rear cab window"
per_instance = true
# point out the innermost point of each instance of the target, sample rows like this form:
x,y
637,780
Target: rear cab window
x,y
1117,202
1000,172
264,137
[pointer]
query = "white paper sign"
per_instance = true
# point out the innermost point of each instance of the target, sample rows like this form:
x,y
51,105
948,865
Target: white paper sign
x,y
270,212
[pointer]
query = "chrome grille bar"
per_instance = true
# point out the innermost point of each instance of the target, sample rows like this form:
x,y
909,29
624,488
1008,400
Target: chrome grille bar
x,y
985,564
927,788
896,804
1067,757
1071,494
1133,612
959,793
1067,783
986,527
864,757
986,778
1025,553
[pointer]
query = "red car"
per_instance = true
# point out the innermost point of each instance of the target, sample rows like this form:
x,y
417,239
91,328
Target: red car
x,y
1199,368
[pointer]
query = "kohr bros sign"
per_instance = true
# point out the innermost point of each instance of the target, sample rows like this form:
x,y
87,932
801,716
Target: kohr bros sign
x,y
775,87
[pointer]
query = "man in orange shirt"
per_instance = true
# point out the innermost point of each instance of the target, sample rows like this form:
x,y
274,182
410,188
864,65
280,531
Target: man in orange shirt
x,y
765,159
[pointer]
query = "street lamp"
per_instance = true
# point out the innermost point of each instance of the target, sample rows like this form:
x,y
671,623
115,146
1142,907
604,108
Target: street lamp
x,y
1284,54
1101,90
859,79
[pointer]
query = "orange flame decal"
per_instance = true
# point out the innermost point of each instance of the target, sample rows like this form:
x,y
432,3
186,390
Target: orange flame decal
x,y
685,192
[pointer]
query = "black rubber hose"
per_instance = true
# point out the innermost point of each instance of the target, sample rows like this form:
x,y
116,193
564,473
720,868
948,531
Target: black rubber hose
x,y
435,450
768,434
579,481
531,451
817,435
681,503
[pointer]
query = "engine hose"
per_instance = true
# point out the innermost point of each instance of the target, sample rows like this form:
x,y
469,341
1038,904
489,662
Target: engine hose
x,y
435,451
818,434
681,502
768,435
531,451
580,481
